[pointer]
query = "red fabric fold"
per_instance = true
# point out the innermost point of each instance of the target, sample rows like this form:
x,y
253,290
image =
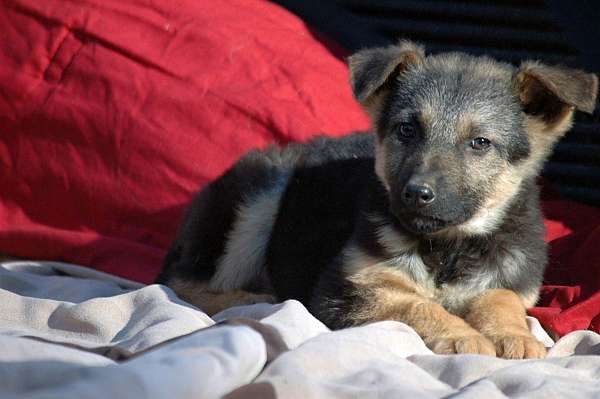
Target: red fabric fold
x,y
112,114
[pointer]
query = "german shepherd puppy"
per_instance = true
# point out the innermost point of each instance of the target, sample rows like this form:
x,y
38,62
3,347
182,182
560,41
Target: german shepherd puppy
x,y
433,220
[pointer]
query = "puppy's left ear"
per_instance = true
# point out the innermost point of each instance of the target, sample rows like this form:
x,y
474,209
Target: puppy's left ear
x,y
551,94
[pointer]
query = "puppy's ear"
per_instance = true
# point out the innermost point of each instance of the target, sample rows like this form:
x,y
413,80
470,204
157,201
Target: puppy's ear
x,y
372,70
551,94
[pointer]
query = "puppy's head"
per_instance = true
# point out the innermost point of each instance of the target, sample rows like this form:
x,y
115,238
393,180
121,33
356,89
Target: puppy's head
x,y
457,135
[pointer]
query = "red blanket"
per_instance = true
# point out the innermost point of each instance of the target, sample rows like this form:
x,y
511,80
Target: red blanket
x,y
112,114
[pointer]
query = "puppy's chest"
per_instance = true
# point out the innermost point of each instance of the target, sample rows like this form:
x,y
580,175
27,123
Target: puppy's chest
x,y
450,274
447,264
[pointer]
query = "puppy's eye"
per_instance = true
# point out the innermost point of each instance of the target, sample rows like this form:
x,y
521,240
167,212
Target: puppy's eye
x,y
406,130
480,144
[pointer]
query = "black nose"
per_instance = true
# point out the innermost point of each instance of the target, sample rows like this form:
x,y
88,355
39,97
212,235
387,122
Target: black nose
x,y
418,195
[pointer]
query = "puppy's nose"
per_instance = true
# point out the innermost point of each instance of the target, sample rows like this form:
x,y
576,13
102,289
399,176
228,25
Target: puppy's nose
x,y
418,195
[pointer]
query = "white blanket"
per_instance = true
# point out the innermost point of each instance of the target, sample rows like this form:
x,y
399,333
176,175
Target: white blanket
x,y
70,332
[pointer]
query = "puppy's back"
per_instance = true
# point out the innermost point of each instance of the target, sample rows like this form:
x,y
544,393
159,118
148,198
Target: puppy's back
x,y
292,209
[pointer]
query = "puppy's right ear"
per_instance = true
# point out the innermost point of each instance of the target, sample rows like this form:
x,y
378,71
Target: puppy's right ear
x,y
372,70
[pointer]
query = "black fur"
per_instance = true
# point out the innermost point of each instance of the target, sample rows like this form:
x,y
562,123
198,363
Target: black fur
x,y
318,213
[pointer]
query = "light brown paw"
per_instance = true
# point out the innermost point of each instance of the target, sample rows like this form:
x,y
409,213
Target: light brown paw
x,y
471,343
521,346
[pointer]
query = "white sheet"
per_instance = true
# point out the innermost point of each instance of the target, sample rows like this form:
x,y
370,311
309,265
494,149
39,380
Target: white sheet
x,y
96,336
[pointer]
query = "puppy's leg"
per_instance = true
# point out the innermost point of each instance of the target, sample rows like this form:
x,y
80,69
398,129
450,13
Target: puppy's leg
x,y
210,302
499,314
442,332
390,295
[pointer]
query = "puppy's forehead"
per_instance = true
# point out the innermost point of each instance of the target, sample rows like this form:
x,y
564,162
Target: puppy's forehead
x,y
462,91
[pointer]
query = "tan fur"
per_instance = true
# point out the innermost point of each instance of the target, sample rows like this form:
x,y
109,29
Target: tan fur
x,y
380,164
530,299
465,125
210,301
373,105
492,212
413,52
427,116
392,241
543,136
499,314
392,295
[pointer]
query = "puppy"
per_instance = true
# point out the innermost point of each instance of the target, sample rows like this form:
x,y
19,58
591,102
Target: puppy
x,y
433,220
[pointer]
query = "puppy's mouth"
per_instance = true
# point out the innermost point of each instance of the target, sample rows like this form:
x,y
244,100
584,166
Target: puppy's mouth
x,y
421,224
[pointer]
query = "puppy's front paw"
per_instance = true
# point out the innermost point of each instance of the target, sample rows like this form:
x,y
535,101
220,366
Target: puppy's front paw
x,y
461,342
518,346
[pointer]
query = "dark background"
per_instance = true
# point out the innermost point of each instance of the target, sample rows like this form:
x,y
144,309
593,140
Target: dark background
x,y
553,31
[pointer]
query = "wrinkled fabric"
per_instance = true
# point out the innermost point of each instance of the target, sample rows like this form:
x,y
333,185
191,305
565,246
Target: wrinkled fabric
x,y
570,297
113,114
71,332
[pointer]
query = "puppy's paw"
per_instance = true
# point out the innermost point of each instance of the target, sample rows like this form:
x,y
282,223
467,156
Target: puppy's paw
x,y
518,346
469,342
